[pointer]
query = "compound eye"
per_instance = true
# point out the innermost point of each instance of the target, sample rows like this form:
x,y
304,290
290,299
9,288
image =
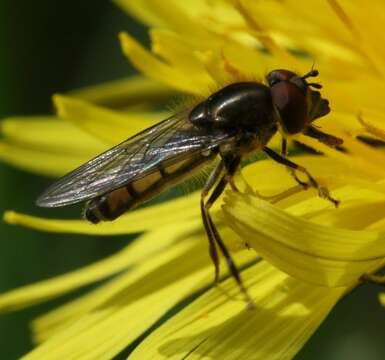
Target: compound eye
x,y
291,104
276,76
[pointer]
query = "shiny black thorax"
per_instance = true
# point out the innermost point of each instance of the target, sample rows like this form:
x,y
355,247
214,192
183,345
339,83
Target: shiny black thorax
x,y
244,108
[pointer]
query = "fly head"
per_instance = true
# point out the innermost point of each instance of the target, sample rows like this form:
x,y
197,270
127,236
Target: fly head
x,y
295,100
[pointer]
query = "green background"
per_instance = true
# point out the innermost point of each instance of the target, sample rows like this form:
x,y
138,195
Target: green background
x,y
55,46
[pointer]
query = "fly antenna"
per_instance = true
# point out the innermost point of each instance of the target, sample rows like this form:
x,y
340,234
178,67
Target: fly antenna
x,y
311,73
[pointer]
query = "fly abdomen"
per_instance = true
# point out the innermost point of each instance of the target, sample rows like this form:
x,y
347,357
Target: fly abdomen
x,y
110,206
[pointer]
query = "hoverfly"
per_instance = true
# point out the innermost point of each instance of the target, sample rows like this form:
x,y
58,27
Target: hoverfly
x,y
233,122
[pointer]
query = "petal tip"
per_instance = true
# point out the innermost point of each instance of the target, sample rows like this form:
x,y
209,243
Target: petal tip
x,y
10,217
59,102
125,41
381,298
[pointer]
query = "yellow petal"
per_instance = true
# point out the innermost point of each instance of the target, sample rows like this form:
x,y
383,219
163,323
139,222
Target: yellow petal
x,y
190,17
178,17
373,123
130,256
318,254
48,289
287,313
270,179
359,163
382,299
177,52
269,176
156,69
38,161
256,29
123,93
45,145
106,324
107,125
136,304
359,209
147,218
355,19
250,62
142,11
152,257
133,284
314,25
48,133
219,70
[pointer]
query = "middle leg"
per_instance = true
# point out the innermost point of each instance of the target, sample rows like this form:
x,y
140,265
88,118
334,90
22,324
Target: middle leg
x,y
292,172
323,192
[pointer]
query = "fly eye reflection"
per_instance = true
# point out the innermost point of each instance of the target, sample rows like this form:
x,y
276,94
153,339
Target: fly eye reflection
x,y
273,81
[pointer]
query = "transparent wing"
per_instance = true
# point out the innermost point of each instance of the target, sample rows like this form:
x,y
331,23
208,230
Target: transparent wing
x,y
166,142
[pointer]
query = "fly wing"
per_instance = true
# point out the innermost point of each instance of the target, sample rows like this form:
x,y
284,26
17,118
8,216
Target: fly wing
x,y
166,142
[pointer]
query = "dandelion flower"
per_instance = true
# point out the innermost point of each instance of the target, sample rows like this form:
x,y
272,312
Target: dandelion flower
x,y
307,255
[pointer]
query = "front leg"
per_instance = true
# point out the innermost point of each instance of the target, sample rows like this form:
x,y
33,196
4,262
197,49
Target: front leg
x,y
323,192
292,172
374,279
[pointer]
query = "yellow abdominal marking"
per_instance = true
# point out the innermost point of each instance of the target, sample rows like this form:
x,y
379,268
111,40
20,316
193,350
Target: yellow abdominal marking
x,y
143,184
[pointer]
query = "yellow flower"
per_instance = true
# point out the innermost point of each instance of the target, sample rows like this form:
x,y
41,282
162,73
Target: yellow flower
x,y
309,254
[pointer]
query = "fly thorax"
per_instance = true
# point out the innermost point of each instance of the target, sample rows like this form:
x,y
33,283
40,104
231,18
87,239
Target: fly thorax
x,y
255,140
236,107
200,115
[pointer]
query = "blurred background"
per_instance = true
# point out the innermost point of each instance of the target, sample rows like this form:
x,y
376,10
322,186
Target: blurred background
x,y
57,46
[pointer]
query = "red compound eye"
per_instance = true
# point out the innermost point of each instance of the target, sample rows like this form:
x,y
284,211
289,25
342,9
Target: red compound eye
x,y
291,103
277,76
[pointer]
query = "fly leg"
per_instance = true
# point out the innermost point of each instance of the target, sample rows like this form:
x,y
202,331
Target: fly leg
x,y
304,184
374,279
323,192
329,140
215,174
214,237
